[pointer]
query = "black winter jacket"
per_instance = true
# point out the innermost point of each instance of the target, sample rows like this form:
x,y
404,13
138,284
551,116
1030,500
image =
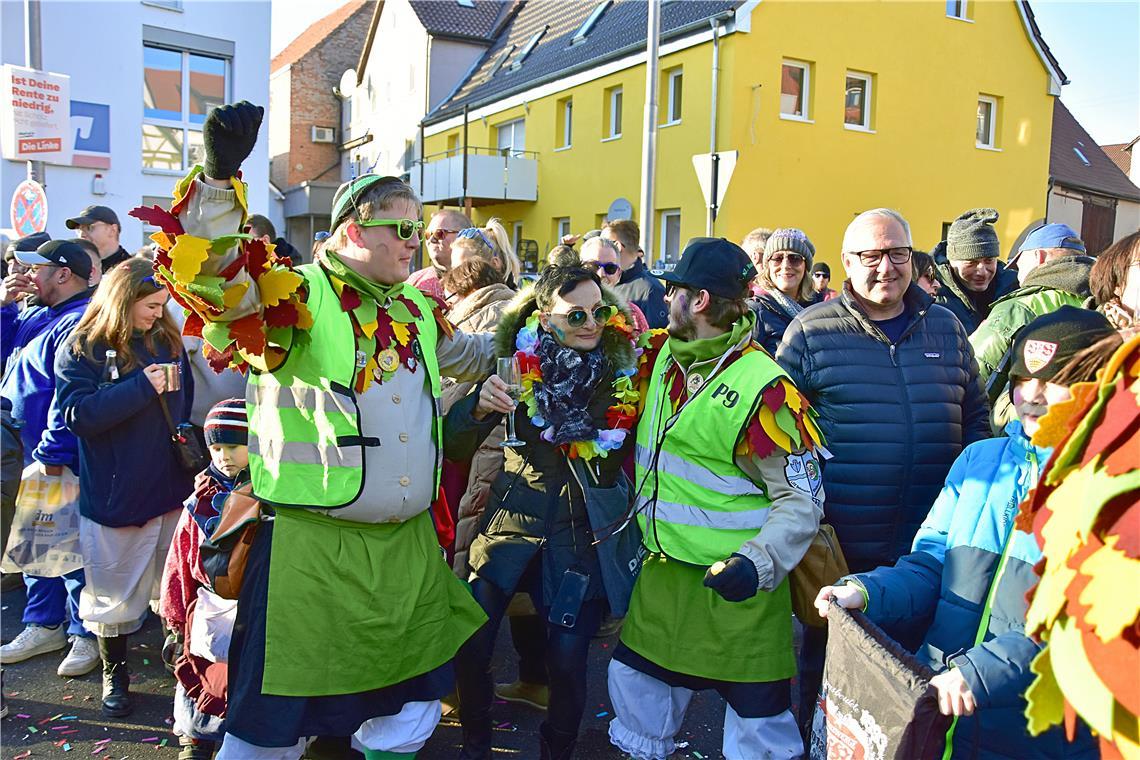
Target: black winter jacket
x,y
954,296
642,289
771,321
895,416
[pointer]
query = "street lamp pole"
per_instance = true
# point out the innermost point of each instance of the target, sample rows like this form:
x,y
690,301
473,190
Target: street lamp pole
x,y
649,144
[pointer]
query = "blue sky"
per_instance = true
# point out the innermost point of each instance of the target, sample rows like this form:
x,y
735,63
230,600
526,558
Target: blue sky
x,y
1097,43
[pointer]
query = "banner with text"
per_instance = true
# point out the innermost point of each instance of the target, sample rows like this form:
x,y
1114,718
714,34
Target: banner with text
x,y
35,115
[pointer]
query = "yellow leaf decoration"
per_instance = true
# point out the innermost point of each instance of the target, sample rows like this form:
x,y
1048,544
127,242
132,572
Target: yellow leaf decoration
x,y
240,196
304,316
778,436
232,296
163,240
187,257
1045,705
369,329
1080,684
277,285
1049,599
1111,571
402,333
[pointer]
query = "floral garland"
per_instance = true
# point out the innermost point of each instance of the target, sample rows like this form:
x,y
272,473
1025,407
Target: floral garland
x,y
620,416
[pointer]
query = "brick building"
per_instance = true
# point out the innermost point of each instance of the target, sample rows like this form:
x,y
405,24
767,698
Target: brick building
x,y
304,146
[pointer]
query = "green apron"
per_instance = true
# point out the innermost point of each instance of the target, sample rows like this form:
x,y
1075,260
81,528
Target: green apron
x,y
676,622
359,606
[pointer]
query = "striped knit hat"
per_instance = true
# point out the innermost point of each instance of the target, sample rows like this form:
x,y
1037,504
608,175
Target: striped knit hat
x,y
227,423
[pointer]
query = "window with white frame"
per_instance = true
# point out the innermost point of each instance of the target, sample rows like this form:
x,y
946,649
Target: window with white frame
x,y
563,228
670,235
565,122
956,9
179,89
795,89
674,83
511,137
613,113
986,136
857,101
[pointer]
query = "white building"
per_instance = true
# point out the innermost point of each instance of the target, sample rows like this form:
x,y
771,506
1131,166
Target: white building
x,y
143,76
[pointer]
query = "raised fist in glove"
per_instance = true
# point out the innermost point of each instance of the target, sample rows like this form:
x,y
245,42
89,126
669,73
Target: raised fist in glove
x,y
229,134
735,578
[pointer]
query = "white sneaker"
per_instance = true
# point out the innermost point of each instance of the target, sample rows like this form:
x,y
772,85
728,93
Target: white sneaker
x,y
82,658
33,640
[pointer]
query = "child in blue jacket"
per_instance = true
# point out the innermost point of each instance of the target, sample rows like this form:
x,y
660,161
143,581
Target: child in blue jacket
x,y
969,570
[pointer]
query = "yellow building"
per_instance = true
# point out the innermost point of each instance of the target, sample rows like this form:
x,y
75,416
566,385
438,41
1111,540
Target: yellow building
x,y
831,108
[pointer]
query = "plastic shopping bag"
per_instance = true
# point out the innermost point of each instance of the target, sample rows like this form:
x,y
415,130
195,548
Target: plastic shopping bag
x,y
45,530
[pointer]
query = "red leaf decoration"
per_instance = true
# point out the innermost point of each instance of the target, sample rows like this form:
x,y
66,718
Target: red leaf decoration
x,y
234,268
284,314
193,326
774,396
157,216
218,360
249,334
162,258
256,257
349,298
415,310
383,335
758,440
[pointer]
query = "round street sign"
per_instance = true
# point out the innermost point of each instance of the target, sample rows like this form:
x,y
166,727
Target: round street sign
x,y
29,210
619,209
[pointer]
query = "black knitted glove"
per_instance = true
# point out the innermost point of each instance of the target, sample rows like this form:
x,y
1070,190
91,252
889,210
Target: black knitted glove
x,y
736,581
229,134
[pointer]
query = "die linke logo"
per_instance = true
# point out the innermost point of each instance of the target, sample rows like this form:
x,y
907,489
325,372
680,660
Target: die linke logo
x,y
1038,353
41,145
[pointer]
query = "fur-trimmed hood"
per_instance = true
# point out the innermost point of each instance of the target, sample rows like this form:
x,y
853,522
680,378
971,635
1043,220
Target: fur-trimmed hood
x,y
617,347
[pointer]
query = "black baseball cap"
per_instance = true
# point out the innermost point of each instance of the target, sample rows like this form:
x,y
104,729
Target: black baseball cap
x,y
1047,343
27,243
93,214
821,266
59,253
714,264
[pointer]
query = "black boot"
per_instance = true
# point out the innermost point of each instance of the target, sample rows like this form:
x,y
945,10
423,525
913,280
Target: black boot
x,y
195,749
476,737
554,744
116,676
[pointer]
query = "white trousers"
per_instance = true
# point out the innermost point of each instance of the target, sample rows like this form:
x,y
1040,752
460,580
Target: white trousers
x,y
124,572
405,732
648,714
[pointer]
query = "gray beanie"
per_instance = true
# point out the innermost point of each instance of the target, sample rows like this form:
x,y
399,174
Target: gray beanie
x,y
790,239
972,236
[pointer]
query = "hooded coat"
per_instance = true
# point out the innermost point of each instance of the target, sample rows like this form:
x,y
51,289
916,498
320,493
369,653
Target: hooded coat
x,y
970,308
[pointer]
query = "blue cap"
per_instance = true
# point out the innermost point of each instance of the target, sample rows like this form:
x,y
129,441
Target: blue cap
x,y
1053,236
714,264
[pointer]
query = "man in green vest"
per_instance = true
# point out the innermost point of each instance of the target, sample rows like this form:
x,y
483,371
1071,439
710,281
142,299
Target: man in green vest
x,y
728,499
348,615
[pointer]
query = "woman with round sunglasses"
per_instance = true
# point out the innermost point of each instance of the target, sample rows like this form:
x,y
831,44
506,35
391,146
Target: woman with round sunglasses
x,y
785,288
576,354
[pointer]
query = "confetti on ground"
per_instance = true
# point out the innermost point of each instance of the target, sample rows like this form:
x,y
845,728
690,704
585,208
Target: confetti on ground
x,y
150,739
682,745
103,741
22,755
67,697
32,729
602,714
67,748
698,755
69,731
69,717
23,716
168,721
164,742
146,661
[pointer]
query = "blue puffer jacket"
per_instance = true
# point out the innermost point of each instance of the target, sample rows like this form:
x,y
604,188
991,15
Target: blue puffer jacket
x,y
949,573
29,380
128,471
895,416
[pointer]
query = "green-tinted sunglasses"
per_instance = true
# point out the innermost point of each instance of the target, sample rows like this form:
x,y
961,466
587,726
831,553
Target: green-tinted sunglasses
x,y
405,228
576,318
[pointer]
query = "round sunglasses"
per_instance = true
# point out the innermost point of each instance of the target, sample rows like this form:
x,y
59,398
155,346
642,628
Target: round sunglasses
x,y
576,318
610,268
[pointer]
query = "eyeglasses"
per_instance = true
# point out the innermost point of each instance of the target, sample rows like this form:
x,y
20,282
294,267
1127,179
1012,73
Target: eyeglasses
x,y
474,232
439,234
576,318
793,259
405,228
610,268
872,258
820,275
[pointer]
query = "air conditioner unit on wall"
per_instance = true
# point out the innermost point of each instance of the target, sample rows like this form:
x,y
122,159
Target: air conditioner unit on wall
x,y
324,135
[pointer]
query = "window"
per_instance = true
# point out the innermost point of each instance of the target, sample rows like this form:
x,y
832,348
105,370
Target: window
x,y
179,89
673,84
670,235
565,126
465,3
857,101
957,9
588,24
518,62
511,137
795,90
453,145
516,237
612,127
502,57
561,229
987,122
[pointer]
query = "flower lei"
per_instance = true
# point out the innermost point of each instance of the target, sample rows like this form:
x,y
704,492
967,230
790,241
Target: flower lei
x,y
620,416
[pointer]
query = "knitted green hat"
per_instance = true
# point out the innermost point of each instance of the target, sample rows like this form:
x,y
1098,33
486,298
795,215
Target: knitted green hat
x,y
972,236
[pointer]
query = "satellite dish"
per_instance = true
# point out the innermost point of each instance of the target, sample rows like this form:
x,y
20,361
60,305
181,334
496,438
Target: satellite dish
x,y
347,84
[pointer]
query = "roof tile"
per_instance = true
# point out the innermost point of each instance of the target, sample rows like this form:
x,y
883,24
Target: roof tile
x,y
1099,175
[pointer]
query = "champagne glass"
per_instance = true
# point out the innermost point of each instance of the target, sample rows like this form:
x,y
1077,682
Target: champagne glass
x,y
507,368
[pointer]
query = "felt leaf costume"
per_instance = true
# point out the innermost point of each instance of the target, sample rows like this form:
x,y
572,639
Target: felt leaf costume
x,y
1085,514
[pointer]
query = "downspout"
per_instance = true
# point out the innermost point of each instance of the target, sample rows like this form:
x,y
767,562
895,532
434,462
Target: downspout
x,y
649,144
715,159
466,209
1048,195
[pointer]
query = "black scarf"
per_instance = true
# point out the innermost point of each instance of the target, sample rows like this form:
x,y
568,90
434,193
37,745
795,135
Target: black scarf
x,y
569,378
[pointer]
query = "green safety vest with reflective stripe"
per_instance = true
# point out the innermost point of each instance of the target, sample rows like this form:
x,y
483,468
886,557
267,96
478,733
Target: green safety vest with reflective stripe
x,y
306,448
694,503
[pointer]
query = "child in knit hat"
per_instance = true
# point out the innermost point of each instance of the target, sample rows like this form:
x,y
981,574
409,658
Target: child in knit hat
x,y
200,621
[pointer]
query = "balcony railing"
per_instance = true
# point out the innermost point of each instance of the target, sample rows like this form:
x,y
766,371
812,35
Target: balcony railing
x,y
493,175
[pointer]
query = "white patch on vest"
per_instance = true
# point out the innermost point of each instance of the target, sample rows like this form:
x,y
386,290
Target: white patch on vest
x,y
1038,353
932,355
802,473
694,383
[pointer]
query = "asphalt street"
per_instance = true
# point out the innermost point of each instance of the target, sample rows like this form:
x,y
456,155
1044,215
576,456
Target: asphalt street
x,y
53,717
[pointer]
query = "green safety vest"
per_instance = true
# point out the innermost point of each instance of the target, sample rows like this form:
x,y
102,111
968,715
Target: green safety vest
x,y
306,448
694,504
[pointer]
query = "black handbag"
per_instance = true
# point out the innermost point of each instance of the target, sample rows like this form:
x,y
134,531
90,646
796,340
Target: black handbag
x,y
188,450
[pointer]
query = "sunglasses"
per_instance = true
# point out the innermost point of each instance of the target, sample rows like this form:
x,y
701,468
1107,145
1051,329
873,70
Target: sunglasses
x,y
405,228
794,259
439,234
473,233
820,275
610,268
576,318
